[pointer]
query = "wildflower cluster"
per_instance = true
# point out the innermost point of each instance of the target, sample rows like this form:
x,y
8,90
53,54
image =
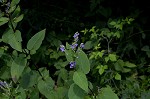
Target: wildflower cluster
x,y
73,46
4,85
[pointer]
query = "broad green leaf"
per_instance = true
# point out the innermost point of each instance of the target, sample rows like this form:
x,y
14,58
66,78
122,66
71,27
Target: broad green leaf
x,y
112,57
67,46
61,92
18,36
34,94
101,70
22,94
119,65
107,93
75,92
14,40
83,61
4,72
44,72
64,74
106,59
35,42
128,64
88,45
46,88
29,78
100,54
19,18
5,36
3,20
80,79
118,76
17,67
68,54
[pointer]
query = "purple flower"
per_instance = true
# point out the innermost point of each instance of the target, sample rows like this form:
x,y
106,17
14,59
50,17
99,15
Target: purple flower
x,y
72,64
3,84
73,46
82,45
76,35
8,6
62,48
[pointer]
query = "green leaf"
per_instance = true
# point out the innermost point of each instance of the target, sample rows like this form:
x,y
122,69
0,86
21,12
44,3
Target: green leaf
x,y
101,70
80,79
14,2
16,12
34,94
112,57
125,70
68,46
14,40
113,23
17,67
18,19
35,42
29,78
62,92
118,76
88,45
3,20
83,61
107,93
119,65
18,36
75,92
5,36
128,64
68,54
13,5
22,94
106,59
63,74
44,72
100,54
46,88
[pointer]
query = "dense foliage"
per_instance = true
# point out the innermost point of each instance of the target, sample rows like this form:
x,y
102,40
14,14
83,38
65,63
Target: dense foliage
x,y
97,49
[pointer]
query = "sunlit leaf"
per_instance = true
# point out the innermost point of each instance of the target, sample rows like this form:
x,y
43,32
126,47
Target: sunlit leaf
x,y
118,76
112,57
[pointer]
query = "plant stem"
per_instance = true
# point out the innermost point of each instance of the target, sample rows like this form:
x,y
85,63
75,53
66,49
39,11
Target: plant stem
x,y
11,23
